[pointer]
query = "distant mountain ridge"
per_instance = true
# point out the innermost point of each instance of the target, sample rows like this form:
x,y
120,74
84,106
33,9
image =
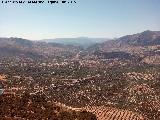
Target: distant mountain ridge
x,y
80,41
135,43
27,48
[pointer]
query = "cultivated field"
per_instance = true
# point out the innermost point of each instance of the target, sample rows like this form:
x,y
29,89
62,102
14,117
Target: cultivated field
x,y
108,113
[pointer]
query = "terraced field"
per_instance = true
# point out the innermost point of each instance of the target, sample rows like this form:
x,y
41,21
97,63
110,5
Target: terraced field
x,y
108,113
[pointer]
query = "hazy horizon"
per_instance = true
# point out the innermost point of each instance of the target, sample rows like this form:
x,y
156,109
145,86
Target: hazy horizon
x,y
90,18
107,38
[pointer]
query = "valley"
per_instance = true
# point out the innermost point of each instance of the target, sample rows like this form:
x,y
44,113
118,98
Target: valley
x,y
114,80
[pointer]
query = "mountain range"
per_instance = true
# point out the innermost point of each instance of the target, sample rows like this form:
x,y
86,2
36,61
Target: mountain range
x,y
137,44
80,41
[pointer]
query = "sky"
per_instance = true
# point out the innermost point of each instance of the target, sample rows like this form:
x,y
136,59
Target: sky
x,y
85,18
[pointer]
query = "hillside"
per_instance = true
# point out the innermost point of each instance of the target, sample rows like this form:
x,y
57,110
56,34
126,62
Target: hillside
x,y
35,50
144,47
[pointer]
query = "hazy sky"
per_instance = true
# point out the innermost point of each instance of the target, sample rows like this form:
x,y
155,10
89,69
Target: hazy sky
x,y
88,18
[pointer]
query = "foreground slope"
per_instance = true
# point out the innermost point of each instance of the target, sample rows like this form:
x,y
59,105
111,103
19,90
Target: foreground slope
x,y
37,107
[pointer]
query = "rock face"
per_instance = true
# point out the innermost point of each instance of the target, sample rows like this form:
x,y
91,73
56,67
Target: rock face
x,y
1,89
